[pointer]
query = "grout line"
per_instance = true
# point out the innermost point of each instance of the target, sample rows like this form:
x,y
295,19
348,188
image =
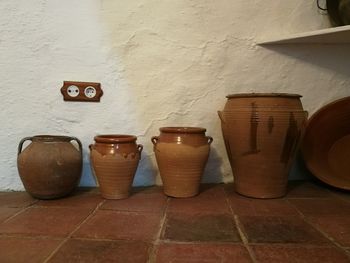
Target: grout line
x,y
240,231
22,210
153,252
75,230
335,243
244,239
16,214
324,234
21,236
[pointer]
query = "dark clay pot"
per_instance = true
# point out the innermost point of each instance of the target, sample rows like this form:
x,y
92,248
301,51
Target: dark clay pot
x,y
181,153
114,159
49,167
262,132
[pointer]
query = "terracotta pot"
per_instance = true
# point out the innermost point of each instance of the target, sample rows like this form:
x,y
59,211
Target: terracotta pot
x,y
50,167
181,153
326,144
262,133
114,160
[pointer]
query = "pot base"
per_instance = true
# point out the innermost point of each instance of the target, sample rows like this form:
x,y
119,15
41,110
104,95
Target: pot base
x,y
115,196
270,193
49,196
178,194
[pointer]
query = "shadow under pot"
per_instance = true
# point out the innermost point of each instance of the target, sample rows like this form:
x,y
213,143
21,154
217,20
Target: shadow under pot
x,y
50,166
114,159
181,153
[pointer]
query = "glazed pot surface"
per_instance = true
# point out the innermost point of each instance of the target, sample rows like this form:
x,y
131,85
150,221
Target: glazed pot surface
x,y
114,161
181,153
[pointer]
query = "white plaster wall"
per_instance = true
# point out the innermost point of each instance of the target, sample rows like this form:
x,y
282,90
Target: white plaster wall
x,y
160,63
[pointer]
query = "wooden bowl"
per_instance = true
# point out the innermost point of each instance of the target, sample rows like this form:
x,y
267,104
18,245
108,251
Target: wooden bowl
x,y
326,144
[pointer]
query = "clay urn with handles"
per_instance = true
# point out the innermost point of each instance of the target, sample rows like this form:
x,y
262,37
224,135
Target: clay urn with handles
x,y
181,153
50,166
262,132
114,160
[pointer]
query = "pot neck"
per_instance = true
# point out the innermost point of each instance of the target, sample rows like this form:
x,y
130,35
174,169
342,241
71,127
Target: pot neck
x,y
183,130
51,138
115,138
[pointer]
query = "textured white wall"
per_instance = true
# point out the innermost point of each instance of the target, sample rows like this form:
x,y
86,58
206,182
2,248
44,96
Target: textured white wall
x,y
160,63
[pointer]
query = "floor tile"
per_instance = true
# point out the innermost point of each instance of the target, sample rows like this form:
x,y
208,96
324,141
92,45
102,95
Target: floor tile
x,y
270,207
211,198
83,199
305,189
322,206
342,194
298,254
200,227
26,250
337,227
45,221
75,250
274,229
6,212
141,201
198,253
16,199
108,224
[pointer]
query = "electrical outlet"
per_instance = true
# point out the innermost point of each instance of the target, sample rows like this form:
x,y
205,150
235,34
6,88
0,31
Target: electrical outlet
x,y
81,91
73,91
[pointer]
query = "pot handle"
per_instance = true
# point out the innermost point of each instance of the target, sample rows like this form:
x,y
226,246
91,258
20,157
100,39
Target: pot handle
x,y
210,139
21,144
79,143
221,116
140,148
155,139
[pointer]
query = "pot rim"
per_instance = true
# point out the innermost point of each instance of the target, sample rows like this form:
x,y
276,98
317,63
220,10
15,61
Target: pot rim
x,y
115,138
51,138
184,129
249,95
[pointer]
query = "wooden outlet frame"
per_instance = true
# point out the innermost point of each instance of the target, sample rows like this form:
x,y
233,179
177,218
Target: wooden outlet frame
x,y
81,86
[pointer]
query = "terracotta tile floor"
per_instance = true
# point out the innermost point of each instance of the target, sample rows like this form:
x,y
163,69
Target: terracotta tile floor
x,y
310,224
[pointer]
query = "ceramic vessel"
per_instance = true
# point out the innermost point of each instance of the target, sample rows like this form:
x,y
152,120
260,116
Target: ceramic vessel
x,y
114,159
262,133
50,166
326,144
181,153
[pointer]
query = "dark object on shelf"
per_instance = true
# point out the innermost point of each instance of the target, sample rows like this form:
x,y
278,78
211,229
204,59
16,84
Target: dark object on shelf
x,y
50,167
344,11
262,132
326,145
338,11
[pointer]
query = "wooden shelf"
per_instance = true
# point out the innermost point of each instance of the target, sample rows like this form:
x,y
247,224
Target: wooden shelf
x,y
334,35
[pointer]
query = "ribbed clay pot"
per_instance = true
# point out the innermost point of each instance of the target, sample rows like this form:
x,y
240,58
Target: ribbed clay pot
x,y
262,133
50,166
181,153
114,159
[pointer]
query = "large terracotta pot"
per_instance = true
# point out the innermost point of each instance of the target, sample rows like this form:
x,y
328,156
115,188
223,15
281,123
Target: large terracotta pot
x,y
262,133
181,153
114,160
49,167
